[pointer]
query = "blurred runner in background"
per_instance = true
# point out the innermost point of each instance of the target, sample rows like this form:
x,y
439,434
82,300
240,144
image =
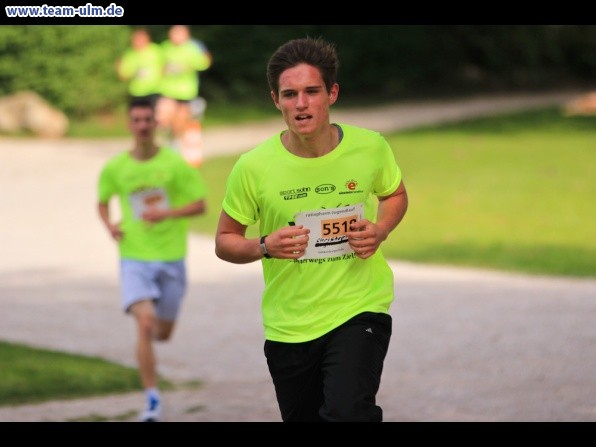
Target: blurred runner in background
x,y
141,66
180,109
158,193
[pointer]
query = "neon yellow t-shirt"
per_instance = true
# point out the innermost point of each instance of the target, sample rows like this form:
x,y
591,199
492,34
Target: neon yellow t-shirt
x,y
143,70
180,80
165,180
305,299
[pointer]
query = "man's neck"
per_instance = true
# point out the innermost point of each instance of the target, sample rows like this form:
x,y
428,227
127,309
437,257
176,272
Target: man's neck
x,y
312,146
144,151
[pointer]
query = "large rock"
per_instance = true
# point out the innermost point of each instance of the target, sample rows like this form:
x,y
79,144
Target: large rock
x,y
28,111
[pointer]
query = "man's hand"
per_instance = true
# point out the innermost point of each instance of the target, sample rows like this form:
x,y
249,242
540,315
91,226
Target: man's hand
x,y
365,238
288,242
115,231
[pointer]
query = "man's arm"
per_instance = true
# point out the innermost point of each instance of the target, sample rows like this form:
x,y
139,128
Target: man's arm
x,y
104,214
392,210
232,245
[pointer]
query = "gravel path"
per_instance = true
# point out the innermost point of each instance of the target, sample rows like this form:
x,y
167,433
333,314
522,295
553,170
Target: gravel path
x,y
468,345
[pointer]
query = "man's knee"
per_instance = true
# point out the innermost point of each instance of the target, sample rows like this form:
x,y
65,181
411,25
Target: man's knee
x,y
158,336
163,330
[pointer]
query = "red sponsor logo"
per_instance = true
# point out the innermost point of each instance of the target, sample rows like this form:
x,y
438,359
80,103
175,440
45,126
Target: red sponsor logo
x,y
351,184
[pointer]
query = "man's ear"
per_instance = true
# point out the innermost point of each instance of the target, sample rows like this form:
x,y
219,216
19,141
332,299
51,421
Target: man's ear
x,y
333,93
275,101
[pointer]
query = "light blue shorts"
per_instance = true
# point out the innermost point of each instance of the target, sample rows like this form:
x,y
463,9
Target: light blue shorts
x,y
162,282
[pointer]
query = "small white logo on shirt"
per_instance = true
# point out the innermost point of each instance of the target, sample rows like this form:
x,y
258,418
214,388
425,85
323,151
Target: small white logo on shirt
x,y
369,330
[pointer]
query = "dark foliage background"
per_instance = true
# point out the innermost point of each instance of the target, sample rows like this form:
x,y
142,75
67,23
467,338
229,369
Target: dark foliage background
x,y
73,66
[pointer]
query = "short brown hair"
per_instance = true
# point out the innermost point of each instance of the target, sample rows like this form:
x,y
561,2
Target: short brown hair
x,y
312,51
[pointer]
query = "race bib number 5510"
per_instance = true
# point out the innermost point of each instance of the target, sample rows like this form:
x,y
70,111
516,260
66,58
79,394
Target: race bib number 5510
x,y
328,229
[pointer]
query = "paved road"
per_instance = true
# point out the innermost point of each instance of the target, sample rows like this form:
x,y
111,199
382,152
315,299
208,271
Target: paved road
x,y
468,345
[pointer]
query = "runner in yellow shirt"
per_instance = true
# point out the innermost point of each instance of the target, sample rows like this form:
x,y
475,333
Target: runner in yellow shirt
x,y
157,192
141,66
183,58
325,196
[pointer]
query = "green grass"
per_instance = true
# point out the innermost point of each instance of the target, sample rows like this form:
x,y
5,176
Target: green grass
x,y
32,375
513,192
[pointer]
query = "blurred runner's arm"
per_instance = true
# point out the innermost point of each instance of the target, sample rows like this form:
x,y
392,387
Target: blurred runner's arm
x,y
104,214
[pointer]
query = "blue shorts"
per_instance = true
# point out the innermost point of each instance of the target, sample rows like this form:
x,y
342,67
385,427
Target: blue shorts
x,y
162,282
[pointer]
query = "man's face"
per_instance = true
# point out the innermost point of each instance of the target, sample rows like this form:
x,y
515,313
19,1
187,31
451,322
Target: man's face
x,y
141,122
179,34
303,99
140,40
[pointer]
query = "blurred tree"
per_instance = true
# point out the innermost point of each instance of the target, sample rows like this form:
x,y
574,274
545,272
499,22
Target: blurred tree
x,y
72,67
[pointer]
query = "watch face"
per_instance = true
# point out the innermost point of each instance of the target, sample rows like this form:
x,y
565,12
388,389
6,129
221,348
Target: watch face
x,y
263,248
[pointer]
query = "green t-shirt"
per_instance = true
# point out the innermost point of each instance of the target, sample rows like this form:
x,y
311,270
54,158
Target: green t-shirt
x,y
306,298
165,180
143,69
180,80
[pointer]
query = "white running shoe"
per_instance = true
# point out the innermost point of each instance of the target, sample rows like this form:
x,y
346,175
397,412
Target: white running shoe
x,y
153,411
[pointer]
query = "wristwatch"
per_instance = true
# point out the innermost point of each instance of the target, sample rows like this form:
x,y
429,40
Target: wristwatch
x,y
263,248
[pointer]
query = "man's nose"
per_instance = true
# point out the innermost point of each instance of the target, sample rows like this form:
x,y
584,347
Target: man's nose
x,y
302,100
